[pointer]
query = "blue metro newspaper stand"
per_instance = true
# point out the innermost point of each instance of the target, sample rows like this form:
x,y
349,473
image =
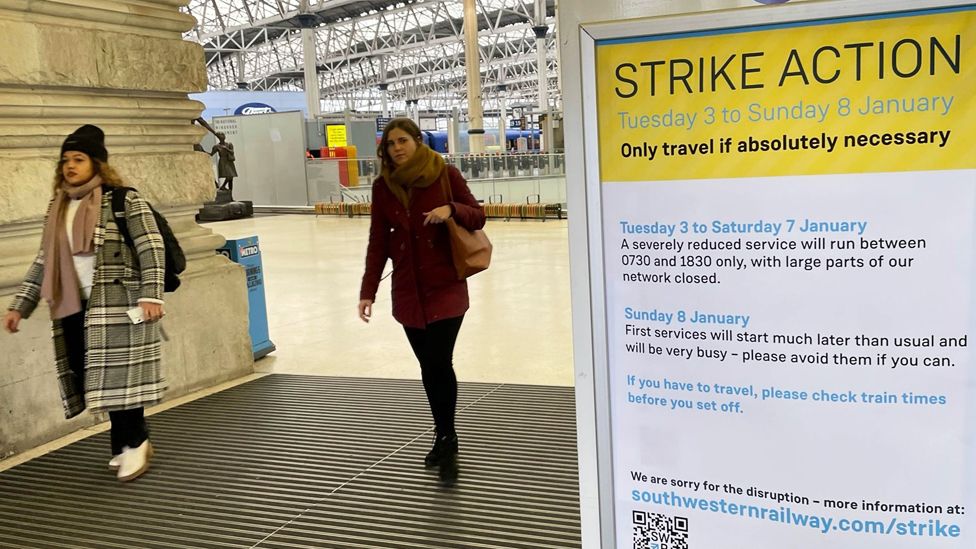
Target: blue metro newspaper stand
x,y
247,252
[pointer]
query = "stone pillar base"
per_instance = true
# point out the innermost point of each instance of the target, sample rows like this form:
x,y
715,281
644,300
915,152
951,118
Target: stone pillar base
x,y
203,350
123,66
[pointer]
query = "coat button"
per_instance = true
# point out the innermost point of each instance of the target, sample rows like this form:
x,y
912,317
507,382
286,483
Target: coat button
x,y
117,281
117,254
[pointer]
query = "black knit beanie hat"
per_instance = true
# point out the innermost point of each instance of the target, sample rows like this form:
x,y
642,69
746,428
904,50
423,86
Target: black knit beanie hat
x,y
89,140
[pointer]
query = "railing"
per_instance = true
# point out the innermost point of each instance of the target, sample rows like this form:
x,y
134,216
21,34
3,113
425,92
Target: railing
x,y
476,167
491,177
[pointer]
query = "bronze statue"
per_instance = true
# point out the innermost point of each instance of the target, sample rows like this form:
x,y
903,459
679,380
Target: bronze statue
x,y
225,162
225,151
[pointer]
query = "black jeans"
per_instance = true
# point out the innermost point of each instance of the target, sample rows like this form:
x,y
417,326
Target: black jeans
x,y
434,348
128,426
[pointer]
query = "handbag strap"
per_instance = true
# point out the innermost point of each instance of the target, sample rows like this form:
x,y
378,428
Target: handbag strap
x,y
446,185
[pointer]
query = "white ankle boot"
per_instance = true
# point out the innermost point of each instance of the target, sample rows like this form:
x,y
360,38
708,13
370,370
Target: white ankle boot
x,y
116,460
133,462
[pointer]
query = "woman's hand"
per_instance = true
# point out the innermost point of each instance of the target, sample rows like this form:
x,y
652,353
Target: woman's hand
x,y
365,309
439,214
11,321
151,312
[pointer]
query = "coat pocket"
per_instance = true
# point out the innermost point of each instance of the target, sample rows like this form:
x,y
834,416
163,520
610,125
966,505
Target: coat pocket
x,y
132,289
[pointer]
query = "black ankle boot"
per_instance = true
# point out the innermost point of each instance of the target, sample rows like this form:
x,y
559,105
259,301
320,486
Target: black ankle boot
x,y
444,445
448,471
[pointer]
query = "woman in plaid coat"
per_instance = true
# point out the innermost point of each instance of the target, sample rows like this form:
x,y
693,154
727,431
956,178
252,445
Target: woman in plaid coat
x,y
90,278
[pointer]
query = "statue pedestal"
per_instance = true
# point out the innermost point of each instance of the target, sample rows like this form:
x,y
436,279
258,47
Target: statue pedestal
x,y
225,208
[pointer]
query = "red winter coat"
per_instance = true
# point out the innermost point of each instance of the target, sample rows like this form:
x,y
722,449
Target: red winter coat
x,y
425,284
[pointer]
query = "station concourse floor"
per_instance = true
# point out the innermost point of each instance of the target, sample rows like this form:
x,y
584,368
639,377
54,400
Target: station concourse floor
x,y
323,445
518,329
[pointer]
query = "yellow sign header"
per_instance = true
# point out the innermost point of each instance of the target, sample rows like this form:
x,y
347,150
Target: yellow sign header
x,y
854,96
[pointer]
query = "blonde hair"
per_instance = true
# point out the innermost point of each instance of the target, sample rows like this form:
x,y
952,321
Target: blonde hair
x,y
109,176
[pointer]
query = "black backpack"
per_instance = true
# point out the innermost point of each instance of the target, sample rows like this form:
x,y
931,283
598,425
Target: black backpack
x,y
175,260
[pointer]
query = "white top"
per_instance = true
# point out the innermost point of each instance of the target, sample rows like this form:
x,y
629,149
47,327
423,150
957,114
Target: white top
x,y
84,263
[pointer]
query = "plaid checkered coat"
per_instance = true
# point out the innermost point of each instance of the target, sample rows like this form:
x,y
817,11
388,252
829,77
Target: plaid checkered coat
x,y
123,360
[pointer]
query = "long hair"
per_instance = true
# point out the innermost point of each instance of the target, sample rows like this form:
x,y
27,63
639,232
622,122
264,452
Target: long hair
x,y
405,124
109,176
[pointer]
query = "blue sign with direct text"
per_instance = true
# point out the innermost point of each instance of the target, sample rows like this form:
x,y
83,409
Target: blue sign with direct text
x,y
247,253
254,108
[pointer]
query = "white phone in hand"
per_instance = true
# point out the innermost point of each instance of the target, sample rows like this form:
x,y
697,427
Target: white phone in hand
x,y
135,314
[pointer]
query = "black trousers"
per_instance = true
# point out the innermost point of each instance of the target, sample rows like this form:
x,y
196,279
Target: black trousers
x,y
129,427
434,348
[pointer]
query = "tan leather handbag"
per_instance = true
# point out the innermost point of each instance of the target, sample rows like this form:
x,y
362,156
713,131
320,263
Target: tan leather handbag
x,y
471,249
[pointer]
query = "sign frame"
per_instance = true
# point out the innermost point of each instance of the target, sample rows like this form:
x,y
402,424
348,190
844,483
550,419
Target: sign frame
x,y
588,259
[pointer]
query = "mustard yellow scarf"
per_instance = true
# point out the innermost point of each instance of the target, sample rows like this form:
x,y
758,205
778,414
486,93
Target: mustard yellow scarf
x,y
419,171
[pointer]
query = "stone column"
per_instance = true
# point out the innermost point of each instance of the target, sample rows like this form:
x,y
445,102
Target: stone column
x,y
384,87
472,62
502,108
453,131
122,65
312,93
385,98
241,79
541,30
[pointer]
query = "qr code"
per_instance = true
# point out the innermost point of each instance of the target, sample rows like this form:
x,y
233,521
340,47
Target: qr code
x,y
655,531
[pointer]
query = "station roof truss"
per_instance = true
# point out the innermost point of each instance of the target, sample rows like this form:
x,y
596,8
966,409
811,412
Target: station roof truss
x,y
257,44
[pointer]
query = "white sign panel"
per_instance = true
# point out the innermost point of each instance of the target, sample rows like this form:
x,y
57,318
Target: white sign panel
x,y
787,216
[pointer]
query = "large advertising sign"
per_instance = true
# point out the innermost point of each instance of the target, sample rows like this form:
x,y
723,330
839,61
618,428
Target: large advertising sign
x,y
240,102
787,215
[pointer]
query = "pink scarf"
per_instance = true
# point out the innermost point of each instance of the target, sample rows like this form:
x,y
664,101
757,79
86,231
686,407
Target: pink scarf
x,y
60,284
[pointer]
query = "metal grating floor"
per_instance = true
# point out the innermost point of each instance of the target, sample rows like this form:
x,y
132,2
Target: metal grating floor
x,y
291,462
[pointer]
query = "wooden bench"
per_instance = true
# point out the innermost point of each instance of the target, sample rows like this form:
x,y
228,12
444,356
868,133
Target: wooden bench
x,y
348,209
528,210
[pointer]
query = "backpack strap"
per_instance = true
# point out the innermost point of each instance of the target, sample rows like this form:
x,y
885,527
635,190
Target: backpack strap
x,y
118,213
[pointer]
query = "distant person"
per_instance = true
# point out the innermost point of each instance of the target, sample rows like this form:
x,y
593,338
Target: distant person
x,y
406,225
225,161
90,278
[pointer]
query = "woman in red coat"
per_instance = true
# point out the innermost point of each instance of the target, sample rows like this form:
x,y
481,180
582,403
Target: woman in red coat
x,y
410,205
